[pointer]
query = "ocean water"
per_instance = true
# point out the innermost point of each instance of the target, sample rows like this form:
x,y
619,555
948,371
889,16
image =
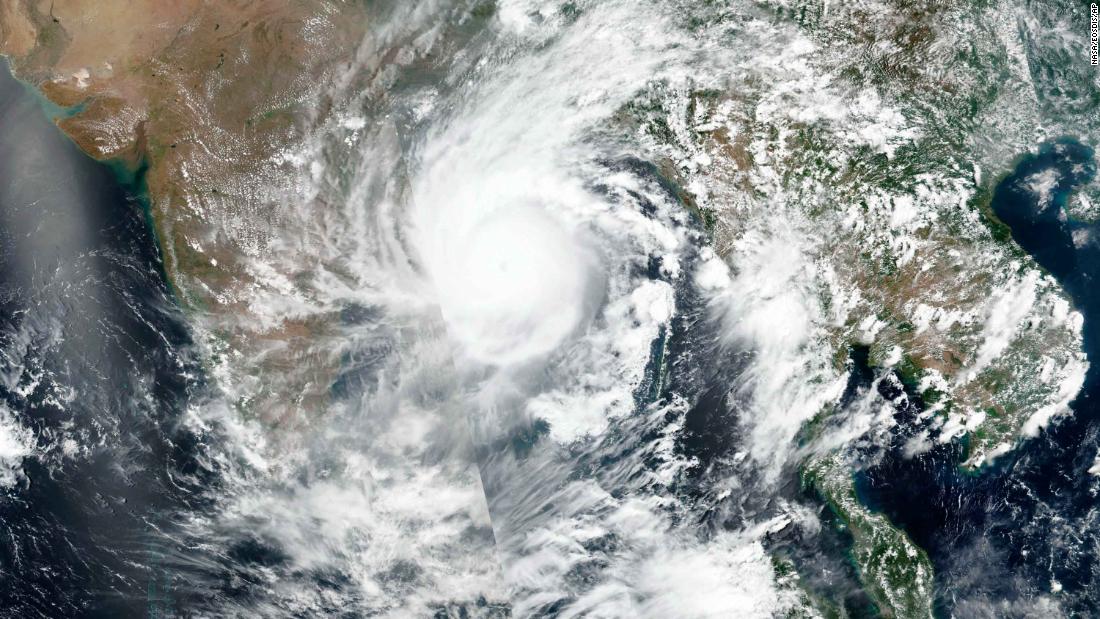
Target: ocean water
x,y
1017,538
94,374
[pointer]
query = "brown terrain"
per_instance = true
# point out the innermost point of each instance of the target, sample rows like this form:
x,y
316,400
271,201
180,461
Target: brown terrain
x,y
200,95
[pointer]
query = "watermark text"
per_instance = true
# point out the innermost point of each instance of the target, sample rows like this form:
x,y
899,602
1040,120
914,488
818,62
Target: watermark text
x,y
1094,34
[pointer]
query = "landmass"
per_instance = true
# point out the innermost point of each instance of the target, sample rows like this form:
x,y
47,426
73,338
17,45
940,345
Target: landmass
x,y
894,571
196,100
861,190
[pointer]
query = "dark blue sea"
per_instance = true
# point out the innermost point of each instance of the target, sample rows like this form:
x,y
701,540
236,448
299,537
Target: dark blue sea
x,y
94,360
1020,537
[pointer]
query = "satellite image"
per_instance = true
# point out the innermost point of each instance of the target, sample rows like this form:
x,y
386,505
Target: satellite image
x,y
549,309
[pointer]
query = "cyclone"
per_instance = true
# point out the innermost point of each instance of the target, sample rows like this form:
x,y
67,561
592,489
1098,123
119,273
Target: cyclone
x,y
513,283
548,308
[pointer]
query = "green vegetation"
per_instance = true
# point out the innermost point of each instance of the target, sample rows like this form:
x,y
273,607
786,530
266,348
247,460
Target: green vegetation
x,y
895,572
